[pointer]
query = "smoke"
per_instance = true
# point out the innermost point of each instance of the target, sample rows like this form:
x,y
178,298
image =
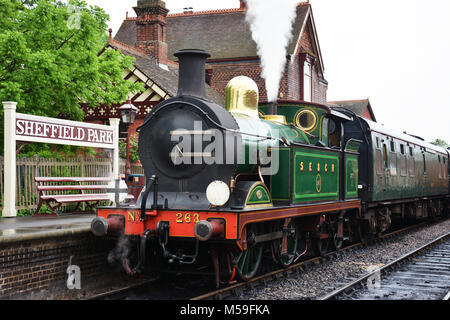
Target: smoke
x,y
271,25
121,251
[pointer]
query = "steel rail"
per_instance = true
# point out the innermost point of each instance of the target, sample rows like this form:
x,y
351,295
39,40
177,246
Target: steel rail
x,y
235,289
354,285
447,297
120,290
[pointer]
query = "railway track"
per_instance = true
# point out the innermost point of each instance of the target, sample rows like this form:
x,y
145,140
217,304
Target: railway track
x,y
120,293
423,274
237,289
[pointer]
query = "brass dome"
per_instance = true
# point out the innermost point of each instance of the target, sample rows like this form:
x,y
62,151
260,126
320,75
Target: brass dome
x,y
242,96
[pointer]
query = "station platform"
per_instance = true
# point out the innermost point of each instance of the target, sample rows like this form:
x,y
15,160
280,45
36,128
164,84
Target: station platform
x,y
31,228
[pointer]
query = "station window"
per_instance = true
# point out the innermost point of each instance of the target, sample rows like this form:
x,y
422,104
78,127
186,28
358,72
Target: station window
x,y
307,82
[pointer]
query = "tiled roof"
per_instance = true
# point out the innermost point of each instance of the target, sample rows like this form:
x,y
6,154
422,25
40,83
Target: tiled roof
x,y
359,107
222,33
165,79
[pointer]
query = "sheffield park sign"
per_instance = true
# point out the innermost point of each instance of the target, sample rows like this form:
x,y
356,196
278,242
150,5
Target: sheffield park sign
x,y
29,128
56,131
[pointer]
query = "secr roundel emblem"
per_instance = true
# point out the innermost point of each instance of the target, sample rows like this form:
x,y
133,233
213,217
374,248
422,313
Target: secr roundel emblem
x,y
319,183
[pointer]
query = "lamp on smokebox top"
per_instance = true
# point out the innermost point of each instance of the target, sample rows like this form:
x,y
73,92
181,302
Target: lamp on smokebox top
x,y
128,112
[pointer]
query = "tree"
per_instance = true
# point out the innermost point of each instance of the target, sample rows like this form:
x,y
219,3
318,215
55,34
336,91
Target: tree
x,y
50,61
440,143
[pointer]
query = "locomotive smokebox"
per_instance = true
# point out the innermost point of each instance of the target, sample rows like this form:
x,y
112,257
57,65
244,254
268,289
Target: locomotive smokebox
x,y
191,81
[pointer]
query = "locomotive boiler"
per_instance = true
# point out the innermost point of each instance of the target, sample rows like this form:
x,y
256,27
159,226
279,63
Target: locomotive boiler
x,y
225,184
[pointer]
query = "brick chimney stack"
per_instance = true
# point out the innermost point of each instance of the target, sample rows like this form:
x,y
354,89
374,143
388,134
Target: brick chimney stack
x,y
243,4
151,28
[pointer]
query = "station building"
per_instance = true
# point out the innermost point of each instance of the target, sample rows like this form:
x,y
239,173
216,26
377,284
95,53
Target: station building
x,y
361,108
153,35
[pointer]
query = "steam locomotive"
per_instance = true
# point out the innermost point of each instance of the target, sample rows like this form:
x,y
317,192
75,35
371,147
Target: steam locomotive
x,y
224,184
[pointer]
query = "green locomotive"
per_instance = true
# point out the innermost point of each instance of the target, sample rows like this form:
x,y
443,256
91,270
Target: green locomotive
x,y
225,183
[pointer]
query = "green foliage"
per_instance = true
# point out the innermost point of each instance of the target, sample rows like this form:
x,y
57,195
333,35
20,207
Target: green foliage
x,y
440,143
50,61
59,152
134,153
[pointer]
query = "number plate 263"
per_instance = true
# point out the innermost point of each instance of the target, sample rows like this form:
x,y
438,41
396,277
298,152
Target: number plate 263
x,y
188,217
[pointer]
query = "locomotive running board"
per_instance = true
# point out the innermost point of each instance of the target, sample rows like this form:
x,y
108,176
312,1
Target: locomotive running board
x,y
293,212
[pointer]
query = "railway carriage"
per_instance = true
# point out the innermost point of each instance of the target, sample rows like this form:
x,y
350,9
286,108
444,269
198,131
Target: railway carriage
x,y
401,175
225,184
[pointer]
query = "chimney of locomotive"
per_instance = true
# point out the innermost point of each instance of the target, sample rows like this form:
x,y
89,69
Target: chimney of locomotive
x,y
191,79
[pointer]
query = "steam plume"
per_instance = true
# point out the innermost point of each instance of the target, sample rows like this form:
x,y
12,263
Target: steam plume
x,y
271,25
121,251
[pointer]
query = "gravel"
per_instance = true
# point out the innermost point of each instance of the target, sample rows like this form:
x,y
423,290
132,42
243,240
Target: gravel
x,y
318,280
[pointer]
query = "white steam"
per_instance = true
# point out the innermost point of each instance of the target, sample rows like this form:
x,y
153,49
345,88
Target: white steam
x,y
271,25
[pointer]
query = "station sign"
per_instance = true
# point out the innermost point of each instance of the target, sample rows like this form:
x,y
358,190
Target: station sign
x,y
56,131
31,128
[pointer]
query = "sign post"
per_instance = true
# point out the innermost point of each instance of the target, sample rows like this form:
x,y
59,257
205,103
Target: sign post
x,y
9,195
114,123
29,128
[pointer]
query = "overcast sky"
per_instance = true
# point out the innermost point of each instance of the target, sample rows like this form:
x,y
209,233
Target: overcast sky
x,y
396,52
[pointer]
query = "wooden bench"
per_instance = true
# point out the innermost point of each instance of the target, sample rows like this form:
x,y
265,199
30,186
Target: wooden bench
x,y
46,186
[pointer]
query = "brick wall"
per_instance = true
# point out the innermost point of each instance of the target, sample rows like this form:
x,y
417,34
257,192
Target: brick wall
x,y
222,73
306,41
291,84
34,265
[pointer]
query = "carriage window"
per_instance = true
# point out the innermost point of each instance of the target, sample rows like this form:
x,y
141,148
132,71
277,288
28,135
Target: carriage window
x,y
443,169
385,159
403,169
378,143
393,163
379,161
424,165
402,149
392,146
412,167
411,151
